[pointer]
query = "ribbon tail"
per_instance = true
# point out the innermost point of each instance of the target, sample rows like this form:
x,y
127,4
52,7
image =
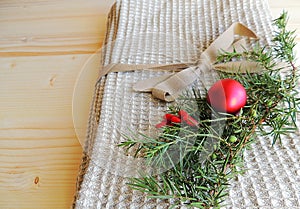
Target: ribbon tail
x,y
239,67
121,67
242,30
148,84
169,89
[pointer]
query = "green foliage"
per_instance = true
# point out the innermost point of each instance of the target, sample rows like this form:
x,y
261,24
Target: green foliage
x,y
271,110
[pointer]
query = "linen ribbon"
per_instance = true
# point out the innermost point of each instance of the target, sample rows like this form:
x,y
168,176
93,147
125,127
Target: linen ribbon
x,y
168,87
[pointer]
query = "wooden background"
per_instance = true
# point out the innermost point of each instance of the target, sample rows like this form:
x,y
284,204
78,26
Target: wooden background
x,y
43,47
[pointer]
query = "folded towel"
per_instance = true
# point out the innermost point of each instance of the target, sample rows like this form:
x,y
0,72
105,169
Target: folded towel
x,y
171,31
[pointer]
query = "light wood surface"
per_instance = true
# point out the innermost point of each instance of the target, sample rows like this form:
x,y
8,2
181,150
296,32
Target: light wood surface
x,y
44,46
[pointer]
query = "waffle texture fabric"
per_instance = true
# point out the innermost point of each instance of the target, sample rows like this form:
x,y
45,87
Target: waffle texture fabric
x,y
171,31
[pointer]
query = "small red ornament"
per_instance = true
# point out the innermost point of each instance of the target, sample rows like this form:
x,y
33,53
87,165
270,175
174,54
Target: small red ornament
x,y
187,118
227,95
183,116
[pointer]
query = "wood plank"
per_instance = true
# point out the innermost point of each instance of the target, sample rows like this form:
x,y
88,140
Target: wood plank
x,y
48,28
39,151
41,85
43,46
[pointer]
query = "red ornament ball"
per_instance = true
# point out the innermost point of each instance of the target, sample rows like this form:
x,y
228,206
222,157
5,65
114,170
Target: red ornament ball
x,y
227,95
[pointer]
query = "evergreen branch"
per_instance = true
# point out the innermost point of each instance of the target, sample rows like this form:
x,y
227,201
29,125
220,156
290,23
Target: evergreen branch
x,y
271,110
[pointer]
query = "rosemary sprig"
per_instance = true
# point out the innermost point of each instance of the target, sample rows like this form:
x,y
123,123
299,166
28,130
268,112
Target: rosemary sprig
x,y
271,110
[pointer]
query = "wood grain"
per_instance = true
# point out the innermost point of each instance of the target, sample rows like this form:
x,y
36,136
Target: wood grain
x,y
43,48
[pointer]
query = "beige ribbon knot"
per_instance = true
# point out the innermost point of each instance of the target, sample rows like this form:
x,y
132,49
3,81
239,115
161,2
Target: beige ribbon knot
x,y
168,87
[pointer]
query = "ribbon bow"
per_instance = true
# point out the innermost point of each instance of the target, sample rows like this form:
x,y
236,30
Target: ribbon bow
x,y
168,87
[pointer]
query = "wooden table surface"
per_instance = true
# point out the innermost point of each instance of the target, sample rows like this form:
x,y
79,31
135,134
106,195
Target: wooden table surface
x,y
44,46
